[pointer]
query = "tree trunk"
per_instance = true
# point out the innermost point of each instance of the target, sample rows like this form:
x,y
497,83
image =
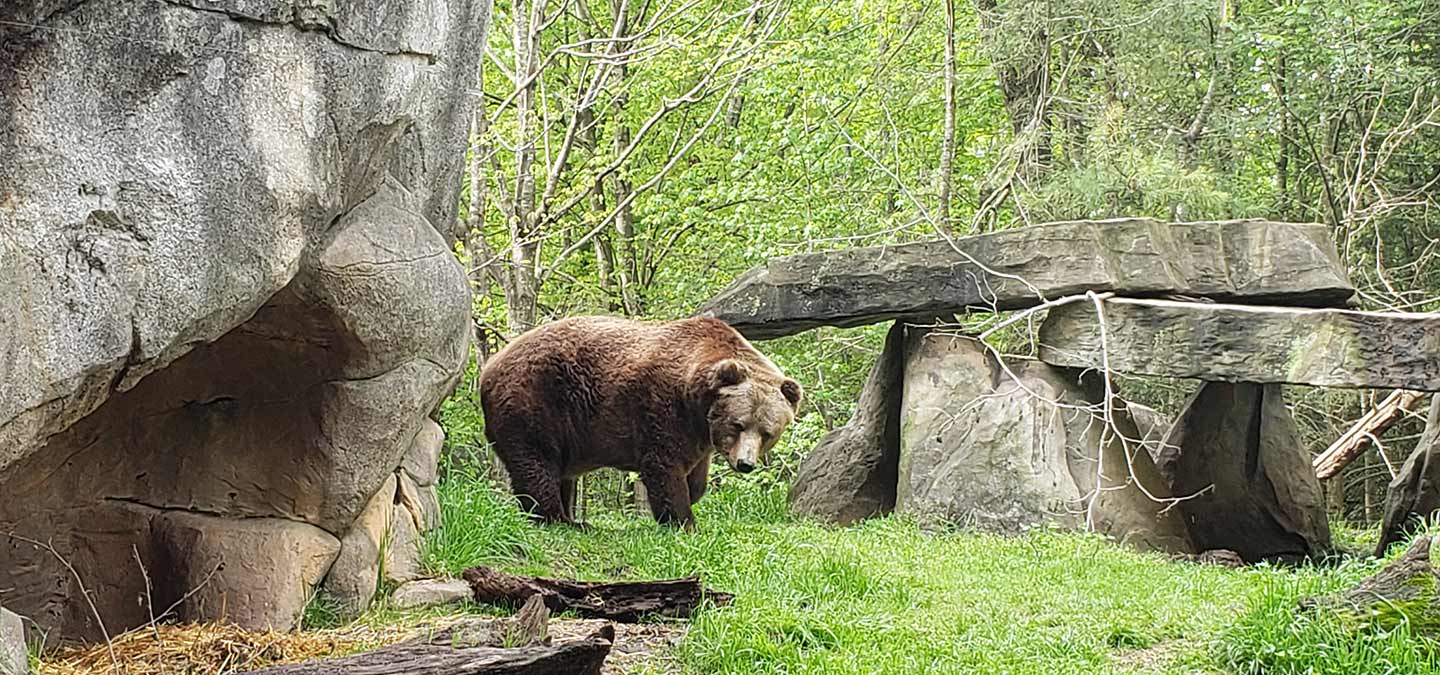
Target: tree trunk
x,y
522,295
947,142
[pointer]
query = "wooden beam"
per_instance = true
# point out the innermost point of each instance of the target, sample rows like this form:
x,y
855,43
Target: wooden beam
x,y
1362,434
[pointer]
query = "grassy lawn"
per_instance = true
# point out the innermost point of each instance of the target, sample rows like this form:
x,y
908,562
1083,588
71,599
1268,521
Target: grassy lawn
x,y
890,597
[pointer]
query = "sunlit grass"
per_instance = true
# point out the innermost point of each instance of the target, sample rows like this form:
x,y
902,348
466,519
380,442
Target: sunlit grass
x,y
890,597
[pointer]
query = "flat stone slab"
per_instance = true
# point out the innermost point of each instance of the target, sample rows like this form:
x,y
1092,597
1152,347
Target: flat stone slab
x,y
1245,261
1236,343
431,592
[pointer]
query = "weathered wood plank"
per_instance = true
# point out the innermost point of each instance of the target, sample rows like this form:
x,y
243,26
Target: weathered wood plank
x,y
1248,261
1235,343
578,657
1364,432
625,601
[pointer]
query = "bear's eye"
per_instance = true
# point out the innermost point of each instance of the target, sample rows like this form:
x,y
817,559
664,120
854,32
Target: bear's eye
x,y
737,427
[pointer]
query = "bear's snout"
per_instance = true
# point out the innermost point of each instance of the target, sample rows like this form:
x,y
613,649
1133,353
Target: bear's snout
x,y
744,466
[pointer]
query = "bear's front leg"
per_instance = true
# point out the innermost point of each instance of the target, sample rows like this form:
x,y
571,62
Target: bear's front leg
x,y
698,480
670,498
536,486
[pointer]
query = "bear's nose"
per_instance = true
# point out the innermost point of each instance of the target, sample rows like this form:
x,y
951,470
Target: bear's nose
x,y
744,466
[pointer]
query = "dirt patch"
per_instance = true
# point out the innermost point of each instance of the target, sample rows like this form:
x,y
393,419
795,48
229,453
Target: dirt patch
x,y
638,647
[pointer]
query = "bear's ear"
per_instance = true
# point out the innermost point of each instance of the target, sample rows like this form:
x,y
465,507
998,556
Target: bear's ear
x,y
791,390
726,373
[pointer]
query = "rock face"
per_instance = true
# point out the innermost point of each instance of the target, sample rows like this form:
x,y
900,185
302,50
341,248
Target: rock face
x,y
1238,443
1232,343
1414,494
1245,261
980,447
355,575
852,472
224,293
250,572
14,658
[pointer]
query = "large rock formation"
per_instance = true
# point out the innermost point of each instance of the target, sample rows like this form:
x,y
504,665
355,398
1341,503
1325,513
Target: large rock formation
x,y
1236,453
1233,343
852,472
226,305
1006,446
1414,494
1249,261
14,657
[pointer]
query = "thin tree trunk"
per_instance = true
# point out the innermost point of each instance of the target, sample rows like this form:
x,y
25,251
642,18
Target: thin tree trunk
x,y
523,295
1282,157
947,142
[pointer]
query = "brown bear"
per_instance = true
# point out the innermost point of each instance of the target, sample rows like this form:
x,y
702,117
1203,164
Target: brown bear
x,y
656,398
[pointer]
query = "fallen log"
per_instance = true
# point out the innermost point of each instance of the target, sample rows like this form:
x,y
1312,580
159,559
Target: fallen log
x,y
1362,434
578,657
1238,343
617,601
1247,261
1403,592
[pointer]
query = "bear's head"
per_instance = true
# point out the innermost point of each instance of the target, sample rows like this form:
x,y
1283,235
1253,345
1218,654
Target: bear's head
x,y
749,408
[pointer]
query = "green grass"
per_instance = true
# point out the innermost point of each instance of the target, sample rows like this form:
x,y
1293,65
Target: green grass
x,y
889,597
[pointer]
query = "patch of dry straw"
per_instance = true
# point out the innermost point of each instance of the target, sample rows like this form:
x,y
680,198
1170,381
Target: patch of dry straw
x,y
210,649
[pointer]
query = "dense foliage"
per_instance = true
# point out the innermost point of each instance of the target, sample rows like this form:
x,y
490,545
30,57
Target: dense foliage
x,y
634,158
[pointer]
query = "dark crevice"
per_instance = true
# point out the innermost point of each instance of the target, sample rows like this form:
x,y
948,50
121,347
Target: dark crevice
x,y
306,24
228,516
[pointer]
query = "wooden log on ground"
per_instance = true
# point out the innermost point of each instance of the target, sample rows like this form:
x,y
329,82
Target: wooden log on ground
x,y
578,657
1362,434
1251,261
626,601
1235,343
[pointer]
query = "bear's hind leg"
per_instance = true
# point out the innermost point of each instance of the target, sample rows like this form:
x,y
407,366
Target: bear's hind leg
x,y
568,496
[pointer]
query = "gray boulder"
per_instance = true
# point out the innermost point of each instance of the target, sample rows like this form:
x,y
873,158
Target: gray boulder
x,y
223,285
1238,343
430,592
403,547
1153,426
852,472
1236,450
1003,447
422,460
1245,261
1414,494
256,573
14,657
354,577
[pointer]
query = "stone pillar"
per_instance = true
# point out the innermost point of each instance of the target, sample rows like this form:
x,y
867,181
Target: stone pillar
x,y
1004,448
1236,445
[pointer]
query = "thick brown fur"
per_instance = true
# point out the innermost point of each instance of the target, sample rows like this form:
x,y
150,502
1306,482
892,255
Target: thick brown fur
x,y
656,398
